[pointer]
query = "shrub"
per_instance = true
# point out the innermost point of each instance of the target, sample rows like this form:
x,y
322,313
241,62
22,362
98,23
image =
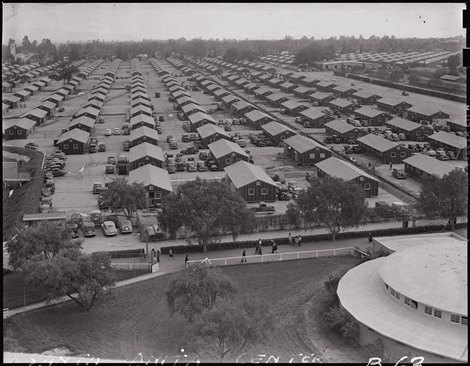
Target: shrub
x,y
375,349
342,323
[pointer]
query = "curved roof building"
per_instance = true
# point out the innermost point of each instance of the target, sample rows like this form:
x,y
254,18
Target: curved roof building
x,y
415,299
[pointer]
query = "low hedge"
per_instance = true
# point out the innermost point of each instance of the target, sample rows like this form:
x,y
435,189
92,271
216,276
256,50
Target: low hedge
x,y
127,253
179,249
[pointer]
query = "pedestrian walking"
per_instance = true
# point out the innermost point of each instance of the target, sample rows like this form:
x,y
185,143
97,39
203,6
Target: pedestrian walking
x,y
272,246
186,259
275,248
370,238
153,254
260,252
414,223
296,240
243,257
391,165
290,239
158,256
300,240
170,253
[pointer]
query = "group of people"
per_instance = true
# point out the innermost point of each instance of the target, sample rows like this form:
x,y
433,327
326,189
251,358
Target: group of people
x,y
297,240
156,256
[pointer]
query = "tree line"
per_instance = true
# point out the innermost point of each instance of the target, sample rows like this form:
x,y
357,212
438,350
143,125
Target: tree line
x,y
234,49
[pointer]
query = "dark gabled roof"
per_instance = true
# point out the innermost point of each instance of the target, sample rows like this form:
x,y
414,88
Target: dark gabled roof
x,y
142,118
199,116
145,149
340,102
24,123
302,144
320,95
143,131
76,134
369,112
340,126
377,142
242,104
341,169
292,104
210,129
256,115
403,124
223,147
191,106
429,165
242,173
151,175
449,139
313,113
84,120
426,111
275,128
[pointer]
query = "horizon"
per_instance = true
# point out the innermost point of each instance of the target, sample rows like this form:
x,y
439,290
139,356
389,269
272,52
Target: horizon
x,y
261,21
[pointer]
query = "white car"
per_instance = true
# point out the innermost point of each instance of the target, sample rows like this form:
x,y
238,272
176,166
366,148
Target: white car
x,y
109,228
117,131
108,132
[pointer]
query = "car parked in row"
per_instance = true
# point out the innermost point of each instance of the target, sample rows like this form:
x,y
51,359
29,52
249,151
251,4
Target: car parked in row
x,y
109,228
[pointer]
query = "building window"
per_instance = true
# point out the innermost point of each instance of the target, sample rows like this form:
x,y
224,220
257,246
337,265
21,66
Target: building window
x,y
312,156
251,191
393,154
367,186
407,301
264,191
464,320
392,291
437,313
397,295
322,155
403,154
66,146
454,318
418,133
75,146
428,310
414,304
228,161
12,132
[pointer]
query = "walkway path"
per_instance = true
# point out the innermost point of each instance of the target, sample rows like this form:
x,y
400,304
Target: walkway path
x,y
170,265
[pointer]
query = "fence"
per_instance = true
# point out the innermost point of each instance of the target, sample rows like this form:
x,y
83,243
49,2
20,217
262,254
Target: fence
x,y
131,266
277,257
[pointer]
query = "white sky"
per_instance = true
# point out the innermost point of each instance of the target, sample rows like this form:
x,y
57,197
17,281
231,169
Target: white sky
x,y
107,21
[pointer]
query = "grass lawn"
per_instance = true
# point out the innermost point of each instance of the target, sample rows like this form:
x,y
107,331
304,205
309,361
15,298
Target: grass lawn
x,y
15,296
25,199
136,318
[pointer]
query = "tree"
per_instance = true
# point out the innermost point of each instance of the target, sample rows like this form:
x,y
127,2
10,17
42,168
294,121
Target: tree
x,y
396,75
65,72
229,326
81,277
26,43
125,197
231,55
44,240
445,196
206,208
453,61
294,215
314,53
196,290
334,203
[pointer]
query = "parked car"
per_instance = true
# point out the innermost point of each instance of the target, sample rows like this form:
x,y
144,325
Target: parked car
x,y
451,155
101,147
95,216
171,168
431,153
161,118
98,188
116,131
203,155
241,143
43,208
58,172
109,229
108,132
398,174
126,145
102,203
201,167
109,169
180,165
124,225
185,138
228,128
32,146
46,192
168,138
402,136
191,167
441,155
88,227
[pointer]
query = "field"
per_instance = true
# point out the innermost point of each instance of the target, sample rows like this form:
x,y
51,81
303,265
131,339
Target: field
x,y
16,295
136,319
